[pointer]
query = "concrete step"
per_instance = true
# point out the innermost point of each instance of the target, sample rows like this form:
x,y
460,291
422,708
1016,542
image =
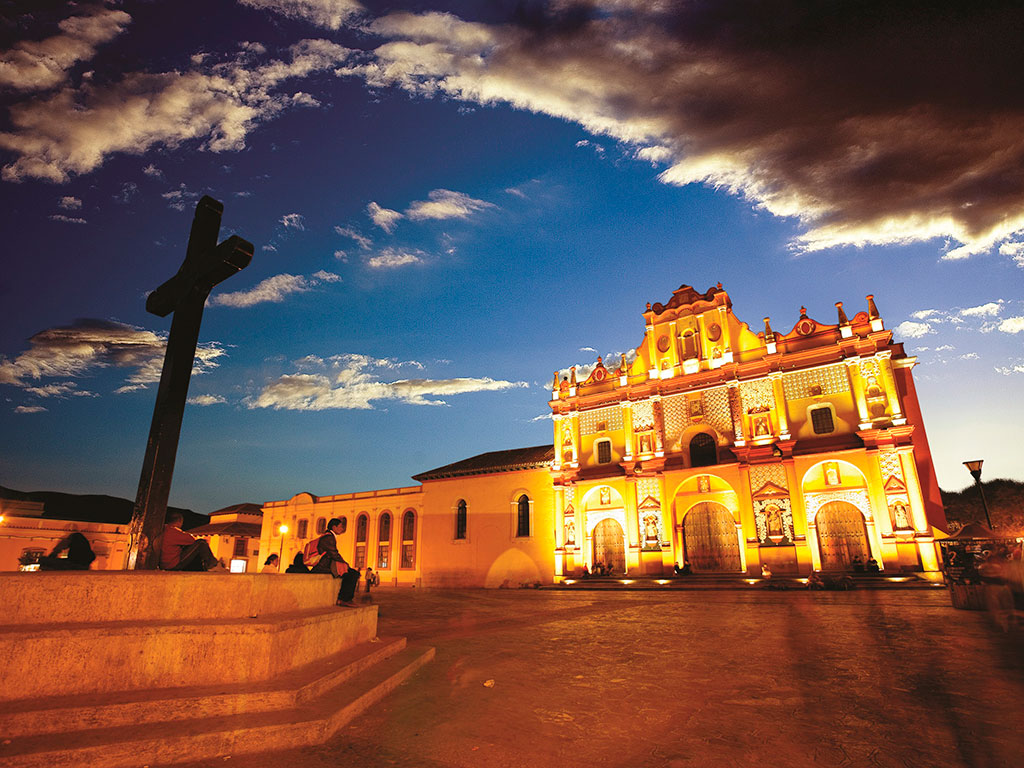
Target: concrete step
x,y
211,737
25,717
727,581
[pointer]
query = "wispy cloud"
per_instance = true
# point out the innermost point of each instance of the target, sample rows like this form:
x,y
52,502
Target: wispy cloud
x,y
389,258
60,389
330,14
153,172
207,400
273,289
820,117
39,65
294,221
69,203
67,219
909,329
385,218
30,409
213,105
446,204
355,382
361,240
87,346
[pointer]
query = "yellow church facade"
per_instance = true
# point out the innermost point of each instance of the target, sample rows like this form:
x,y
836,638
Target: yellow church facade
x,y
712,445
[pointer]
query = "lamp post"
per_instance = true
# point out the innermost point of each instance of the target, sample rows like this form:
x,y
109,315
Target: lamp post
x,y
282,530
975,469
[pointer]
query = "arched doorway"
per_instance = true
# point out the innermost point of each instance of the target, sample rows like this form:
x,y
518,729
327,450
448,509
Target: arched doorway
x,y
609,545
841,535
703,451
709,538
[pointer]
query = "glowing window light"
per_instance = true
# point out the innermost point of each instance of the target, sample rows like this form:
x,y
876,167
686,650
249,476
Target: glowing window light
x,y
238,565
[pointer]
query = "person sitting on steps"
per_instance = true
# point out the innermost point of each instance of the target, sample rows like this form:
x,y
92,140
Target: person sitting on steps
x,y
181,551
332,562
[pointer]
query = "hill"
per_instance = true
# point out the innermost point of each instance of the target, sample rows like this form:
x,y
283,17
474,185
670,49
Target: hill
x,y
1005,504
91,508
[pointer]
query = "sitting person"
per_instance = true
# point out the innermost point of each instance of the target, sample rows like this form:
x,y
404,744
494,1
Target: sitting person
x,y
332,562
687,568
79,555
858,564
271,564
181,551
873,565
766,572
298,565
815,581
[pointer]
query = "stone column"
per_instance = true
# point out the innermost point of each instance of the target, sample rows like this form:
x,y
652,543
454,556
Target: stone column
x,y
627,427
857,388
780,405
659,426
736,412
889,383
913,483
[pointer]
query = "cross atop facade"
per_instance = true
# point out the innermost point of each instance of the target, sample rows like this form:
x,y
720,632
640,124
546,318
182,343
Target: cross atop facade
x,y
206,264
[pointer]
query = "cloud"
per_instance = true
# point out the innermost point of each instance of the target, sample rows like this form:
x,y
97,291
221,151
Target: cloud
x,y
364,242
67,219
152,171
89,345
588,349
69,203
331,14
60,389
354,382
445,204
294,221
274,289
30,409
1012,325
861,127
1008,370
213,106
991,309
34,65
1014,250
207,400
390,258
911,330
384,218
181,198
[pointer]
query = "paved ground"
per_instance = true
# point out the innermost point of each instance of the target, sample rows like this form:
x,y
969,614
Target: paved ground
x,y
690,679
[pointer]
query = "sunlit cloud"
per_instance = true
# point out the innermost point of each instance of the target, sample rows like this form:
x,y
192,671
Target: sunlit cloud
x,y
153,172
273,289
1012,325
361,240
330,14
214,106
389,258
67,219
990,309
35,65
60,390
69,203
205,400
294,221
88,346
30,409
355,382
385,218
909,329
821,118
446,204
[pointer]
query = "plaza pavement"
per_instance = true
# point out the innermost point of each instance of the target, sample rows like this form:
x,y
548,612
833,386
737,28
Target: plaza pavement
x,y
728,678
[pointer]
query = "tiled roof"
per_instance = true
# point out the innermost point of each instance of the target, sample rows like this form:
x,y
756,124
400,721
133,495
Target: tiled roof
x,y
495,461
233,528
245,508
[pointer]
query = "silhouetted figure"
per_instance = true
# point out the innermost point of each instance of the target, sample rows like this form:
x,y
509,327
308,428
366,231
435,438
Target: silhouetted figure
x,y
858,564
181,551
873,565
79,555
298,565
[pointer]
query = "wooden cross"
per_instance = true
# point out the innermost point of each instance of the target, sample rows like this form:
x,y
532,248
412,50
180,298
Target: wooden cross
x,y
206,264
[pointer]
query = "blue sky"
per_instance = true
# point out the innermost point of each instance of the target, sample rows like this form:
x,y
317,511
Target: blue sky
x,y
450,201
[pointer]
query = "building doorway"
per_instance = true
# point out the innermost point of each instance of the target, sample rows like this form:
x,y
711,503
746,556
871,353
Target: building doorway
x,y
610,545
842,536
710,541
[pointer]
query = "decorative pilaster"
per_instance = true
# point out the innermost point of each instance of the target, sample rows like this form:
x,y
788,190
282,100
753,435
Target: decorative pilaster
x,y
659,426
627,427
736,412
780,405
889,382
857,388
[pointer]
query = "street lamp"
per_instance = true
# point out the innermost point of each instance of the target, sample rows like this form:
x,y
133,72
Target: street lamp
x,y
281,530
975,469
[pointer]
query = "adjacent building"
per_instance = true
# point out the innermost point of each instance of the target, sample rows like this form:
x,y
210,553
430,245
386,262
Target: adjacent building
x,y
712,444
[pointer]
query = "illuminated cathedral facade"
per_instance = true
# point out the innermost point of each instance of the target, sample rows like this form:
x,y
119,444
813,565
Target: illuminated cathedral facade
x,y
713,445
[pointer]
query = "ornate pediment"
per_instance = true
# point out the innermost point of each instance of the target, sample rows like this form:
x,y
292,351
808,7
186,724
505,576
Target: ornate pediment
x,y
894,485
771,491
650,503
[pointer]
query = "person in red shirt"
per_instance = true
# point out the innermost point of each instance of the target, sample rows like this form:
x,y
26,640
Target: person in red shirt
x,y
181,551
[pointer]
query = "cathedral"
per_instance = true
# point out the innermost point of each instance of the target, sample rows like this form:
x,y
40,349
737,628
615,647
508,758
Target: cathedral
x,y
714,446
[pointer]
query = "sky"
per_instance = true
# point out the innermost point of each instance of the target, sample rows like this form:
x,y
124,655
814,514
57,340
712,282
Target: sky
x,y
450,201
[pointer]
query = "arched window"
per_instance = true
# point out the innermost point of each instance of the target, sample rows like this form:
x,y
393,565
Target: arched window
x,y
703,451
302,529
408,539
384,541
523,516
362,524
460,519
344,525
689,345
321,525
